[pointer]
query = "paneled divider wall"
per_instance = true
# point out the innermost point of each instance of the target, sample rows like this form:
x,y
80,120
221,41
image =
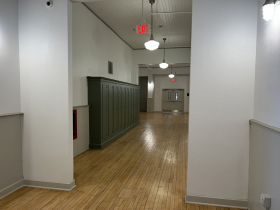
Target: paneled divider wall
x,y
114,110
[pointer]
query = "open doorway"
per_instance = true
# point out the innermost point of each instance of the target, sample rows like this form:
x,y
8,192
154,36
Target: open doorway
x,y
143,83
173,100
158,82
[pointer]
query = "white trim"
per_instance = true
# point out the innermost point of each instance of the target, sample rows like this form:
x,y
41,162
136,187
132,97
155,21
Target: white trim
x,y
12,188
81,152
200,200
276,129
11,114
81,106
50,185
209,204
36,184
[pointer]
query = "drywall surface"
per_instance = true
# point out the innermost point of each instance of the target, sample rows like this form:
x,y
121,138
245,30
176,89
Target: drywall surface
x,y
222,97
9,58
264,143
81,144
94,44
154,90
164,82
179,55
264,167
267,88
173,56
10,151
46,90
158,71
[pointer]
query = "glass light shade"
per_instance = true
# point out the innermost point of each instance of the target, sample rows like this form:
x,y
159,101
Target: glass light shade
x,y
152,45
171,75
163,65
268,11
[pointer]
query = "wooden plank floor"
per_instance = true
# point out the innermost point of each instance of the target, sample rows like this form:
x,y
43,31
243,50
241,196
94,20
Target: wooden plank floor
x,y
144,169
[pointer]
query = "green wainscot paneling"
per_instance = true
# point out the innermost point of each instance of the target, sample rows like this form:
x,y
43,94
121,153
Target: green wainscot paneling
x,y
114,110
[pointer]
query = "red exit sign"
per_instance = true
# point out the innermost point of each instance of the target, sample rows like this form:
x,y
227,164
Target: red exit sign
x,y
173,80
143,29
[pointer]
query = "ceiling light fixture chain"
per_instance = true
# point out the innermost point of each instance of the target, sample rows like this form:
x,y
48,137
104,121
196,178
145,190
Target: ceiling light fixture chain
x,y
152,44
143,19
171,75
164,39
152,19
163,65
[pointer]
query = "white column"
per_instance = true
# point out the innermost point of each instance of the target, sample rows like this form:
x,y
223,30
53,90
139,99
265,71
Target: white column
x,y
46,90
222,97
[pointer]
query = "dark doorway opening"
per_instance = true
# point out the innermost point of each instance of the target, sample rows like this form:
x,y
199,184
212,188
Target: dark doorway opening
x,y
143,83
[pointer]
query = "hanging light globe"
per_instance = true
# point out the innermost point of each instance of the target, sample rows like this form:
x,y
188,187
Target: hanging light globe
x,y
152,45
171,75
163,65
268,10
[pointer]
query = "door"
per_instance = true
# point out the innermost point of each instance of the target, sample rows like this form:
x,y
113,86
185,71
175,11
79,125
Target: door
x,y
143,82
173,100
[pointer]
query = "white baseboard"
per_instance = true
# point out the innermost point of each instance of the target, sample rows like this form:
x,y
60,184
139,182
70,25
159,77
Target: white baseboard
x,y
12,188
36,184
238,204
50,185
81,152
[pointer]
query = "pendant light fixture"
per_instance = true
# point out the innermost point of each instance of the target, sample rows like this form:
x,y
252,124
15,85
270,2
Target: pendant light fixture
x,y
268,10
171,75
152,44
163,65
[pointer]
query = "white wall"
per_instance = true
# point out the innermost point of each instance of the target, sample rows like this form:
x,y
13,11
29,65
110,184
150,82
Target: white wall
x,y
81,144
265,143
222,97
154,89
179,55
10,152
164,82
158,71
267,88
46,90
172,56
264,166
94,44
9,58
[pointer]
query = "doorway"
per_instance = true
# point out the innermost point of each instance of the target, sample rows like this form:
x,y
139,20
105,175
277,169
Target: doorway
x,y
173,100
143,83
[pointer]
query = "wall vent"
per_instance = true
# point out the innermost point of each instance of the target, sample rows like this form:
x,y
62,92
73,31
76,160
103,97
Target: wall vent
x,y
110,67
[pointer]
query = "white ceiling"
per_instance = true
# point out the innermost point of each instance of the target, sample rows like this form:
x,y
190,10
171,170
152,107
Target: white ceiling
x,y
122,16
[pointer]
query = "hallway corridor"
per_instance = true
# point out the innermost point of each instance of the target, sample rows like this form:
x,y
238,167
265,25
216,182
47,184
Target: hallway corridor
x,y
144,169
